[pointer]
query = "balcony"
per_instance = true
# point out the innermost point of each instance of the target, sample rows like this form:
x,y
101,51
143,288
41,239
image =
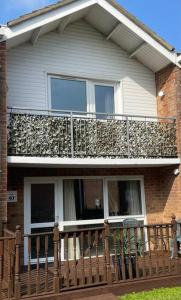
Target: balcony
x,y
88,135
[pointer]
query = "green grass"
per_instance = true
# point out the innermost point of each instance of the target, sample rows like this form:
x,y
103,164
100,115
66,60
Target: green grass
x,y
156,294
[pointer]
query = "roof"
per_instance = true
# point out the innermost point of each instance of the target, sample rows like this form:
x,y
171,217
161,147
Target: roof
x,y
39,12
63,3
107,17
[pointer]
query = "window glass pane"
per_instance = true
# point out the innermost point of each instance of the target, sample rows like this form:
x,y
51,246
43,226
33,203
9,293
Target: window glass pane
x,y
124,198
42,203
68,94
83,199
104,99
89,245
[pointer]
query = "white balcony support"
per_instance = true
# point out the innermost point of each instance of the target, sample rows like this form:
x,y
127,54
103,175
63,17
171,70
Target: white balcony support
x,y
137,49
113,31
35,36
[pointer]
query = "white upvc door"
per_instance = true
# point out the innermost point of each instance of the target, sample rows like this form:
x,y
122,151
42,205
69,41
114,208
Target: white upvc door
x,y
42,207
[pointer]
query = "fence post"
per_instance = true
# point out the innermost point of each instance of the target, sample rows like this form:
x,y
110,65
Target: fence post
x,y
3,225
107,252
174,236
17,262
1,228
56,282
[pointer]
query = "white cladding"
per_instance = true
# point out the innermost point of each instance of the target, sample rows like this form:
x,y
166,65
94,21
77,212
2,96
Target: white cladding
x,y
79,51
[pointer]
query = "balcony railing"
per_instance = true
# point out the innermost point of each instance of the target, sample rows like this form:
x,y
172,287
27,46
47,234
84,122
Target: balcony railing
x,y
89,135
80,258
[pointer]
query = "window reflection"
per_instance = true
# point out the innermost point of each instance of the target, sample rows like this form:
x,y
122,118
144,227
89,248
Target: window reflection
x,y
124,198
68,94
83,199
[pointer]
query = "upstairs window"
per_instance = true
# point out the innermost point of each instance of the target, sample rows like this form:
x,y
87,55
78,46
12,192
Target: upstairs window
x,y
68,94
83,96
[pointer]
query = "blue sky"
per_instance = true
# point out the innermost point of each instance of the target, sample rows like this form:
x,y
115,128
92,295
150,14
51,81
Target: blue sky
x,y
162,16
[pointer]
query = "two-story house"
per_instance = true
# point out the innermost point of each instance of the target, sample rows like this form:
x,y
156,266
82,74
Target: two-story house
x,y
91,99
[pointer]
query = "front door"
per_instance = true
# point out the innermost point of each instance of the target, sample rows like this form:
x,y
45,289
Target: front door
x,y
42,208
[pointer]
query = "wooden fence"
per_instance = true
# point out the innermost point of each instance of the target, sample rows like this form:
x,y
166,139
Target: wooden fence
x,y
60,261
7,263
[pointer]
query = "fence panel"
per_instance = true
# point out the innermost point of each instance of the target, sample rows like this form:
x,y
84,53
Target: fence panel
x,y
60,261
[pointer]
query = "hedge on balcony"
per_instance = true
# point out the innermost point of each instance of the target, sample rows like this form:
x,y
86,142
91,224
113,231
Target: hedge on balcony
x,y
59,136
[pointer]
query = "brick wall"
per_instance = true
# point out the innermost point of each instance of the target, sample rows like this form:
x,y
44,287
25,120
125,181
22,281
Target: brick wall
x,y
155,196
169,81
3,134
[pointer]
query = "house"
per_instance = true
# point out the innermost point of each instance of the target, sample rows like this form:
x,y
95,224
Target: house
x,y
91,99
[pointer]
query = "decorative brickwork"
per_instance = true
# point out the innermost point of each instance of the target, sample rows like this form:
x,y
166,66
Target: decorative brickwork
x,y
3,133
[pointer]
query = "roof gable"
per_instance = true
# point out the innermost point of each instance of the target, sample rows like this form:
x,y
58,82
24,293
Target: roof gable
x,y
106,16
63,3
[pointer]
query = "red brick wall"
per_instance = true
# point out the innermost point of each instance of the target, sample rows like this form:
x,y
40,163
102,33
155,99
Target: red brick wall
x,y
3,134
155,195
169,81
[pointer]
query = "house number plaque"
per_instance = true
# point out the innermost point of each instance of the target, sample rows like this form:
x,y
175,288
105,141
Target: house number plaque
x,y
12,196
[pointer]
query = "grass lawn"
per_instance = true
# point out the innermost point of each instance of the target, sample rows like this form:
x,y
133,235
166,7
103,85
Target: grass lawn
x,y
156,294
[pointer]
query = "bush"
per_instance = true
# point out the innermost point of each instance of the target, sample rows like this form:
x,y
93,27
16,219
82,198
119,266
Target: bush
x,y
156,294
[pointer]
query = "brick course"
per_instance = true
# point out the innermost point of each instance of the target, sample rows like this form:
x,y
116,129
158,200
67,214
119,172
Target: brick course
x,y
3,133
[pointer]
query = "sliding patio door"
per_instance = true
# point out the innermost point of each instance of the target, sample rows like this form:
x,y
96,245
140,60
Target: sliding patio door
x,y
42,210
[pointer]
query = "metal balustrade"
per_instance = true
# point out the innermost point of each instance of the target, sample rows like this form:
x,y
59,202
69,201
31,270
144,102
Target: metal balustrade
x,y
54,133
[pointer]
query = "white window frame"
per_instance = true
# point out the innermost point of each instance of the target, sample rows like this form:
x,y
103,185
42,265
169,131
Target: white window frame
x,y
59,190
114,219
58,180
27,209
65,78
90,92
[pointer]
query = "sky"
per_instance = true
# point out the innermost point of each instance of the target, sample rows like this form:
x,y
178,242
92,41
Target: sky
x,y
162,16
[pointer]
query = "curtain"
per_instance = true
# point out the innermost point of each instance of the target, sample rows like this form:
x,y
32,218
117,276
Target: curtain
x,y
69,200
132,196
70,215
113,198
